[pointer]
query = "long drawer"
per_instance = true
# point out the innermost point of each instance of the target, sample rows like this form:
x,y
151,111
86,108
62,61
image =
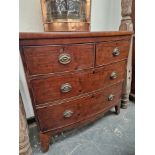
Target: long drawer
x,y
68,113
57,87
58,58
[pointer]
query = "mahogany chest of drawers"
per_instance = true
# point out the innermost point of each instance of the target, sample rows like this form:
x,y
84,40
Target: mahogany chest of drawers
x,y
73,78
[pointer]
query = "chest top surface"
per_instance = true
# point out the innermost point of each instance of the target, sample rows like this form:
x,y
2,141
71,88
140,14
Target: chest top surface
x,y
48,35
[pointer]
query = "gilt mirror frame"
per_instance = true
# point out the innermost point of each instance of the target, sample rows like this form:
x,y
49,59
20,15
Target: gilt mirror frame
x,y
66,15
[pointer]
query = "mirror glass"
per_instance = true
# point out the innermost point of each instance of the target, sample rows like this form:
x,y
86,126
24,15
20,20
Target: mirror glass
x,y
64,10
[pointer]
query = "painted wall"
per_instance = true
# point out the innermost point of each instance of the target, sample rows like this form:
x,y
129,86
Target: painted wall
x,y
30,17
105,16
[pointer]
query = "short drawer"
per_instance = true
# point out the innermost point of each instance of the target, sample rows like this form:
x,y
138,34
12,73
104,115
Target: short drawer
x,y
111,52
56,87
50,59
68,113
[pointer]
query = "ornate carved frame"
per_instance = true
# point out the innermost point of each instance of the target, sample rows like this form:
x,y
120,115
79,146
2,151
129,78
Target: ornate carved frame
x,y
69,25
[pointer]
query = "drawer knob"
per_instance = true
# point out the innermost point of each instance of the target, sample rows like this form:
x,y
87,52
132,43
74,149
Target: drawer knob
x,y
116,51
111,97
64,58
67,113
113,75
66,88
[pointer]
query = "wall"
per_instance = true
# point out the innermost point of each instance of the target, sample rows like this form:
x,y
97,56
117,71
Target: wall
x,y
24,91
105,16
30,17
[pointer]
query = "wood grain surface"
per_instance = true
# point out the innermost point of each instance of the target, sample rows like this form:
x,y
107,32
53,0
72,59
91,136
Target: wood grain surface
x,y
66,96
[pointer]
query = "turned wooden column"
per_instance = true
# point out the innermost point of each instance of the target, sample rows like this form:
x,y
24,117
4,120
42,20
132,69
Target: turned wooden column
x,y
127,25
24,144
132,93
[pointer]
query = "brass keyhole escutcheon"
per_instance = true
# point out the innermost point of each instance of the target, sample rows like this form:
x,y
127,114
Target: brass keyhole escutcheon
x,y
66,88
64,58
67,113
113,75
116,51
111,97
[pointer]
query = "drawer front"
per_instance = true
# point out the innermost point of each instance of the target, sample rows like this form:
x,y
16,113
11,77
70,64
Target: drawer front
x,y
98,102
58,115
58,87
68,113
111,52
50,59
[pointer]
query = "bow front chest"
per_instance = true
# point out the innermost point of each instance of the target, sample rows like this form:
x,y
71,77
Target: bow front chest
x,y
73,78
